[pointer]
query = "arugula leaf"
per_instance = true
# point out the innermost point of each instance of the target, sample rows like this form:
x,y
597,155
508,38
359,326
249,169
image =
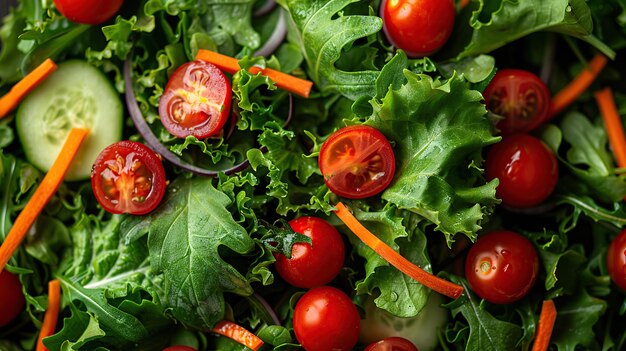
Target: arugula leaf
x,y
399,294
575,320
496,23
439,129
185,236
322,32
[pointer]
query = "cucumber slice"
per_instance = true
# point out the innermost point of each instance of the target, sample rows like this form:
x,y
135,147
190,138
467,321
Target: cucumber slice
x,y
76,95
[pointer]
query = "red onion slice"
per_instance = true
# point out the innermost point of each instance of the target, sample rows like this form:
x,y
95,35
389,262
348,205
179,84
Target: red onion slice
x,y
277,37
265,8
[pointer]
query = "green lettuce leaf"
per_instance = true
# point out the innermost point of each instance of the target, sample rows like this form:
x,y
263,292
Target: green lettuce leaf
x,y
439,129
186,237
575,320
322,31
496,23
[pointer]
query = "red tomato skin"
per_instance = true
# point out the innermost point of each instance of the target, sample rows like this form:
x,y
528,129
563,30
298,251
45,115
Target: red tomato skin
x,y
316,265
180,107
394,343
326,319
527,169
338,170
88,11
151,168
12,300
419,27
502,266
179,348
513,93
616,260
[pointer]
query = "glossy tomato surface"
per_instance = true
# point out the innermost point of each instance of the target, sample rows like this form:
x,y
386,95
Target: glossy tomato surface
x,y
419,27
179,348
326,319
196,100
616,260
128,177
394,343
357,162
11,298
88,11
502,266
527,169
520,97
316,264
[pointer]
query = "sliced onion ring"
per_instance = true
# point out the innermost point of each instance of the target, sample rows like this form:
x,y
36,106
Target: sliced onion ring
x,y
278,35
265,8
153,142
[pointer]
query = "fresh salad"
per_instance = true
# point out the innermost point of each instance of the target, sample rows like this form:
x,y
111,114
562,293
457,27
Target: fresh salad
x,y
313,174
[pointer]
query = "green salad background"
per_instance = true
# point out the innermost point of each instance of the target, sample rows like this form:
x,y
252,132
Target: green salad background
x,y
127,285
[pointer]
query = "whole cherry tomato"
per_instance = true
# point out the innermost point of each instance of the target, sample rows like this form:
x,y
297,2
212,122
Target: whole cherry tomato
x,y
12,300
316,264
326,319
419,27
357,162
502,266
527,169
128,177
616,260
393,343
196,100
520,97
88,11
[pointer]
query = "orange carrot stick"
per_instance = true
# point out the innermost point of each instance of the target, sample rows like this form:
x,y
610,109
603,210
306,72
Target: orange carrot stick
x,y
9,101
572,91
42,195
285,81
463,3
395,259
613,124
52,314
239,334
546,324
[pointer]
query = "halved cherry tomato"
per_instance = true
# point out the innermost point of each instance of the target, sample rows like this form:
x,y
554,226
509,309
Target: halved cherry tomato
x,y
128,177
520,97
357,162
502,266
88,11
316,264
179,348
419,27
527,169
11,298
196,100
394,343
616,260
326,319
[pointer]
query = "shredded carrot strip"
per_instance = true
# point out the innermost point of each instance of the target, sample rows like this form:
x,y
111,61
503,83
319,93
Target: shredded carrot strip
x,y
42,195
285,81
463,3
239,334
395,259
9,101
572,91
613,124
52,314
546,324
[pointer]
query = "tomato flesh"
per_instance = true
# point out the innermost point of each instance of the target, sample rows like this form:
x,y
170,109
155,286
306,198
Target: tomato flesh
x,y
419,27
326,319
357,162
196,101
520,97
394,343
316,264
128,177
527,169
12,300
88,11
616,260
502,267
